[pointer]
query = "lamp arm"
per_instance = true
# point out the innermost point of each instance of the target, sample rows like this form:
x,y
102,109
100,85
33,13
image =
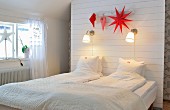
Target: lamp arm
x,y
92,44
134,48
87,32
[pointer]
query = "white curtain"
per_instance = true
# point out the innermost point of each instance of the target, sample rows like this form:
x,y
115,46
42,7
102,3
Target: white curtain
x,y
38,48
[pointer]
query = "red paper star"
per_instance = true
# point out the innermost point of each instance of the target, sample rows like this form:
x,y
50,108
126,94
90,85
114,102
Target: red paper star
x,y
120,19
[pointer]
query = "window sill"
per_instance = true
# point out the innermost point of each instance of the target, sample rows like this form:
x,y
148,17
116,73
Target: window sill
x,y
13,60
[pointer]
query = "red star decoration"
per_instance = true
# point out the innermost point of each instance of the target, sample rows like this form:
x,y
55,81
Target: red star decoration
x,y
120,19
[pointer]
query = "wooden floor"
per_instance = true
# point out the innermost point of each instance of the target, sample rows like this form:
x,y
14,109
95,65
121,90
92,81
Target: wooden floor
x,y
166,105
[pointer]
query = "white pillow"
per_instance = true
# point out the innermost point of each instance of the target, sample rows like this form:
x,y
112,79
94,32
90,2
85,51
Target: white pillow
x,y
88,64
130,66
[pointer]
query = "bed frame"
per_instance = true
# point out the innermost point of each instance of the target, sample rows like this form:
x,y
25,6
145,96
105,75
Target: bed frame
x,y
3,107
151,107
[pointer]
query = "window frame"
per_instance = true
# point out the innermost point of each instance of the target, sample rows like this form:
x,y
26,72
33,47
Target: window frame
x,y
14,38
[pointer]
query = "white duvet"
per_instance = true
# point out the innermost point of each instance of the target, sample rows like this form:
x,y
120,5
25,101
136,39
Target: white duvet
x,y
125,80
78,77
29,96
73,77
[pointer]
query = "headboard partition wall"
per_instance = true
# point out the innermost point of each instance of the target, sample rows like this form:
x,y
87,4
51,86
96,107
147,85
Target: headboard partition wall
x,y
148,17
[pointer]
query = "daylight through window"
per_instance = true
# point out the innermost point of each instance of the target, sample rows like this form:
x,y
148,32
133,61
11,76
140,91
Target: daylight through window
x,y
22,36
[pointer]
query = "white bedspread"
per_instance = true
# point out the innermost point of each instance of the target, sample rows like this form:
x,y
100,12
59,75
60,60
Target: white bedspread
x,y
73,77
125,80
78,77
29,96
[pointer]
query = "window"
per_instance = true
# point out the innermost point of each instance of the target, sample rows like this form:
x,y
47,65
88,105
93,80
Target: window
x,y
20,37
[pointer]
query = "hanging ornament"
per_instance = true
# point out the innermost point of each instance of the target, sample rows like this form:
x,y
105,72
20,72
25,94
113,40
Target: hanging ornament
x,y
120,19
5,36
103,22
93,19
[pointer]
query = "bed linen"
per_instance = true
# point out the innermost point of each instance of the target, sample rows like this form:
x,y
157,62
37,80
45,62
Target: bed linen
x,y
125,80
131,81
29,96
148,86
72,77
130,65
147,93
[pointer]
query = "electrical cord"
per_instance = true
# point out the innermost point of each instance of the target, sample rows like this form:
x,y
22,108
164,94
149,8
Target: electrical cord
x,y
20,62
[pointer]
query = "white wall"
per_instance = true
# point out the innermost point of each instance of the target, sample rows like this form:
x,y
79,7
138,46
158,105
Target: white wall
x,y
148,17
57,46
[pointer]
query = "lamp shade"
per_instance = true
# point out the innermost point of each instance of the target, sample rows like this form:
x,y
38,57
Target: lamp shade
x,y
86,39
130,37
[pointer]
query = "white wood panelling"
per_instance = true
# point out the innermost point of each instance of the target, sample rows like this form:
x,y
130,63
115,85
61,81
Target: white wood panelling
x,y
148,17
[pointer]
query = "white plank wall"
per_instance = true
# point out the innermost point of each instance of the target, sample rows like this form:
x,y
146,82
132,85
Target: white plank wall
x,y
148,17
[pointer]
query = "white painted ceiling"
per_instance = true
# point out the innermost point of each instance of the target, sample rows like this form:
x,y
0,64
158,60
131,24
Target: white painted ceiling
x,y
53,8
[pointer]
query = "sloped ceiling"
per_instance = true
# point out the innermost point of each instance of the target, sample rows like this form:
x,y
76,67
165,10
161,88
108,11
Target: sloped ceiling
x,y
54,8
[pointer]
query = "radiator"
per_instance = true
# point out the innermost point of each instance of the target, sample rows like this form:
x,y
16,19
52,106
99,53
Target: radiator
x,y
11,75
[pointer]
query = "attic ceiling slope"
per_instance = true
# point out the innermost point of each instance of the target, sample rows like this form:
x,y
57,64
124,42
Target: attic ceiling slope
x,y
52,8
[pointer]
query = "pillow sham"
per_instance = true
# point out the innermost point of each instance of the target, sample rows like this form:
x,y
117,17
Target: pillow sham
x,y
130,66
88,64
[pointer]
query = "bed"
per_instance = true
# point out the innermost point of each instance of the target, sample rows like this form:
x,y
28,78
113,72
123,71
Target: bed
x,y
68,97
119,91
55,96
147,92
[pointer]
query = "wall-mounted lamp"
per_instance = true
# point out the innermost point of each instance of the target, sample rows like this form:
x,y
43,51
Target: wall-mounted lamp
x,y
131,38
88,38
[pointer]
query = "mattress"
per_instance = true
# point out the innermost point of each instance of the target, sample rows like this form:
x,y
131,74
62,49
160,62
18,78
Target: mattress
x,y
147,92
